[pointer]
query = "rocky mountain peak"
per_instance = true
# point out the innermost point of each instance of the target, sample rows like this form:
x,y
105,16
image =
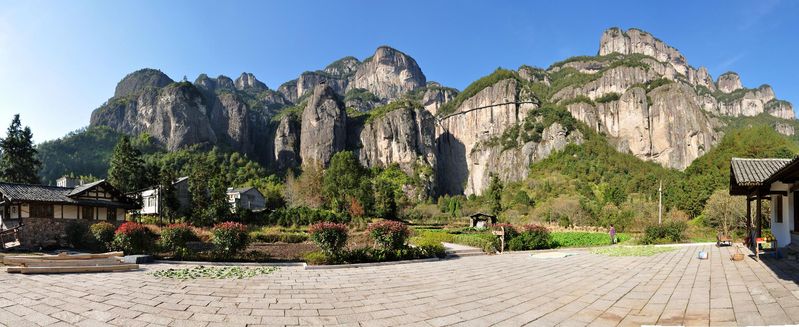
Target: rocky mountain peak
x,y
324,126
729,81
343,67
641,42
138,81
248,81
388,74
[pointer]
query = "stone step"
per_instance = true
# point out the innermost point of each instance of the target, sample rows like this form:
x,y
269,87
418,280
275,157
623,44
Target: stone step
x,y
464,253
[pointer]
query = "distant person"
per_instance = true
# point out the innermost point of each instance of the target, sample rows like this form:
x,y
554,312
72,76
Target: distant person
x,y
612,234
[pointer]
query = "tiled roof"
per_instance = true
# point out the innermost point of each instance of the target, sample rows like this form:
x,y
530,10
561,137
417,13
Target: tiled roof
x,y
54,194
27,192
80,189
239,189
752,172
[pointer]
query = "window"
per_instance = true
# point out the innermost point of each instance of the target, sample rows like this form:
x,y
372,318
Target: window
x,y
41,210
112,214
87,213
778,208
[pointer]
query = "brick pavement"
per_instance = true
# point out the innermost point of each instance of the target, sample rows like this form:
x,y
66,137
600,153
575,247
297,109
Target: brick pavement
x,y
505,290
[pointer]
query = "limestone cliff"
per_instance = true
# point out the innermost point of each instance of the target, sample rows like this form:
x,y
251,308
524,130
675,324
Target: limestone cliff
x,y
323,131
485,115
389,73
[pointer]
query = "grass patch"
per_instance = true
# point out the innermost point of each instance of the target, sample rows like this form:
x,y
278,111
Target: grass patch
x,y
633,251
213,272
584,239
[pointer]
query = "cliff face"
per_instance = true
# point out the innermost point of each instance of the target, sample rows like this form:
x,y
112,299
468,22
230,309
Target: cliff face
x,y
323,131
176,115
639,91
487,114
404,136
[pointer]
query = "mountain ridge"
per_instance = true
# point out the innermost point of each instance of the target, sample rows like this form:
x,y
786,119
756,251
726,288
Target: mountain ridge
x,y
638,90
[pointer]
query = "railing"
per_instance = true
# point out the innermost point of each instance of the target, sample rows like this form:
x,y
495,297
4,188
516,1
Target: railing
x,y
9,234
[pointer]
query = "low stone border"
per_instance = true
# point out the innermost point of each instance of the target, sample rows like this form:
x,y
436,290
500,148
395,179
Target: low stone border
x,y
243,264
370,264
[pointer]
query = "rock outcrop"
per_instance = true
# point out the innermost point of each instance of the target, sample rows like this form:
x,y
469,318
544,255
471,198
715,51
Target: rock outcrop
x,y
323,131
287,144
729,82
403,136
388,74
641,42
487,114
140,80
175,115
436,96
510,165
247,81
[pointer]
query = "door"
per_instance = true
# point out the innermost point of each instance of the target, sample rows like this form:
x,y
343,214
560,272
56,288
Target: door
x,y
795,203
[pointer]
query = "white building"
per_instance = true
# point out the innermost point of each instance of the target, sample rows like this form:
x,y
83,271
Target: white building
x,y
152,203
246,198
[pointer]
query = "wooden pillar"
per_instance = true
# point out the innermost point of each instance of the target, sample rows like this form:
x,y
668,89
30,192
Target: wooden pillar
x,y
748,216
758,217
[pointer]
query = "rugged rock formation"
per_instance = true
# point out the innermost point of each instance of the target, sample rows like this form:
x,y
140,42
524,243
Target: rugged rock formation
x,y
671,130
388,74
404,136
436,95
729,82
287,144
510,165
176,115
324,123
487,114
247,81
641,42
703,78
140,80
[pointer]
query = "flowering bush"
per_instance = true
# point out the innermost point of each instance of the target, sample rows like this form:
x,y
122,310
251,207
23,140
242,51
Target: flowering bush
x,y
133,238
174,238
510,230
229,238
102,233
330,237
532,237
389,234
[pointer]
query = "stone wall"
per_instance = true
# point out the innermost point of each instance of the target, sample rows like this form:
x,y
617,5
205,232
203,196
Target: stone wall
x,y
49,232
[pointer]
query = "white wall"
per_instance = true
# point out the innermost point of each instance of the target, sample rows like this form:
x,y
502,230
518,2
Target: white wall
x,y
781,231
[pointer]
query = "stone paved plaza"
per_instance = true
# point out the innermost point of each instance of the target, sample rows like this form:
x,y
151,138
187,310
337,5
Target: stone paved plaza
x,y
508,290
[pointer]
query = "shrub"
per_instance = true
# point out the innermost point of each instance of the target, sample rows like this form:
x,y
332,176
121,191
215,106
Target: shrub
x,y
102,234
389,234
583,239
133,238
229,238
672,231
298,216
533,237
510,231
317,258
174,238
76,234
430,249
330,237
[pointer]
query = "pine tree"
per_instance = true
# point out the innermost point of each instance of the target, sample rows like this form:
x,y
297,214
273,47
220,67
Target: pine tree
x,y
494,194
169,200
19,162
126,170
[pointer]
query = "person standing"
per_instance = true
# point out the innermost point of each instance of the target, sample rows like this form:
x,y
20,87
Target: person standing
x,y
612,234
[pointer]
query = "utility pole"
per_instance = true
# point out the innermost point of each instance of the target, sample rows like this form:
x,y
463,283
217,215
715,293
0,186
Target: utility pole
x,y
660,203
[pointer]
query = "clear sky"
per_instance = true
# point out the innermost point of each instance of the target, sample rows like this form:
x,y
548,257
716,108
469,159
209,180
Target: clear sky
x,y
59,60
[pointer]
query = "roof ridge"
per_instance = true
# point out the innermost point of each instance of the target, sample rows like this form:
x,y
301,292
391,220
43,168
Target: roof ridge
x,y
38,185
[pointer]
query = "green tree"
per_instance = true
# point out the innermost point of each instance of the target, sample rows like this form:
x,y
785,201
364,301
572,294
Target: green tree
x,y
342,180
494,194
169,199
127,171
385,199
18,160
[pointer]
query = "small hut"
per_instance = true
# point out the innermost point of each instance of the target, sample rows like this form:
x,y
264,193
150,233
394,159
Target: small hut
x,y
481,220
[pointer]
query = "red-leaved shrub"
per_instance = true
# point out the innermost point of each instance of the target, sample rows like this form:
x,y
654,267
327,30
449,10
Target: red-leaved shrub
x,y
330,237
229,238
389,234
133,238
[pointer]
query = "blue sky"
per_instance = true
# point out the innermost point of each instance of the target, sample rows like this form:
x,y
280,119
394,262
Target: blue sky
x,y
59,60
